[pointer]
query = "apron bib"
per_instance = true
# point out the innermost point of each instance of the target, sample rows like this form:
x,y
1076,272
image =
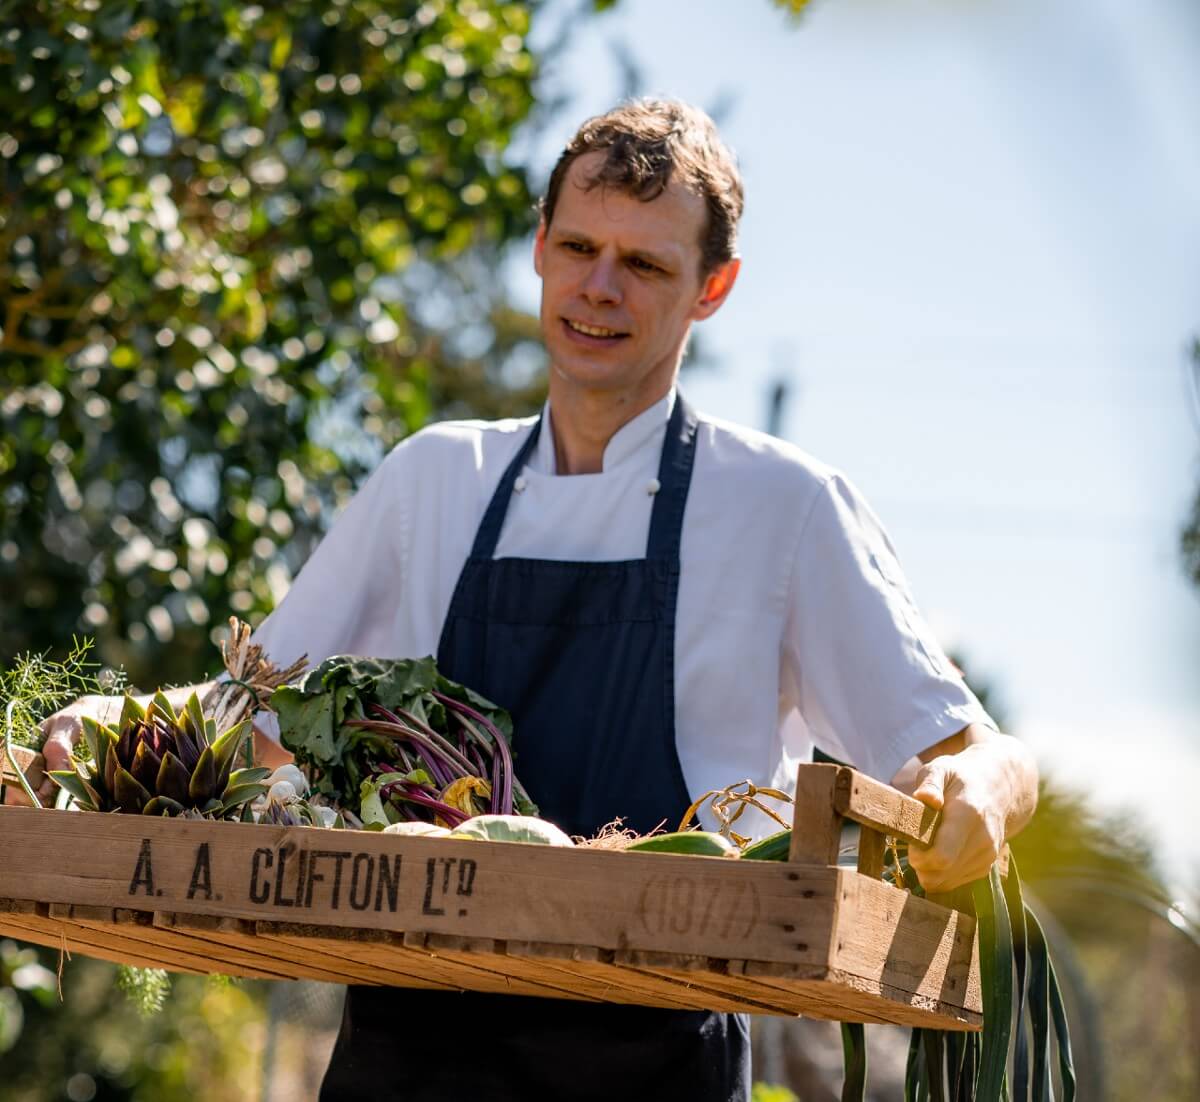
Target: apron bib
x,y
582,656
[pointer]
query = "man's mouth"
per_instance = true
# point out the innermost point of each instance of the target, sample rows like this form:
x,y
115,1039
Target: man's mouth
x,y
596,332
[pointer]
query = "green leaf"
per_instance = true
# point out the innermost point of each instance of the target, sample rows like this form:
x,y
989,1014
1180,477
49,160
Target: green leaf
x,y
236,795
91,735
129,794
194,716
1062,1035
173,779
131,712
163,707
1016,910
935,1055
203,783
1039,1007
306,726
996,977
854,1057
914,1064
968,1068
105,746
226,748
371,806
163,805
73,783
250,775
146,765
957,1047
397,682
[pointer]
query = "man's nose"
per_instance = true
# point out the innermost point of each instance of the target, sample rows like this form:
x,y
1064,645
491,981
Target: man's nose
x,y
602,285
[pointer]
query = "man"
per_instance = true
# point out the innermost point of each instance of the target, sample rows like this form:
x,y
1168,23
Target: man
x,y
666,604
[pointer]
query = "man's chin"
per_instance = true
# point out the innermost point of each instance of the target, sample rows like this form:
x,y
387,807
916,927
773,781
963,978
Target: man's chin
x,y
589,374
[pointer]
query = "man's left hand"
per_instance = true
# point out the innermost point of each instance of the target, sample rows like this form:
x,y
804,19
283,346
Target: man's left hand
x,y
985,785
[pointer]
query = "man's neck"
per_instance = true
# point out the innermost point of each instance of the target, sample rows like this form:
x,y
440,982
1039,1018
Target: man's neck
x,y
585,421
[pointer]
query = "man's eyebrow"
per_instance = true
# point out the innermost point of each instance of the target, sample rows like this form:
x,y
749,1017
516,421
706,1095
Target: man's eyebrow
x,y
662,260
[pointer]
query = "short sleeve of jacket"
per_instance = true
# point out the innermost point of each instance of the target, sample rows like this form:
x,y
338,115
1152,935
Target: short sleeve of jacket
x,y
343,599
871,683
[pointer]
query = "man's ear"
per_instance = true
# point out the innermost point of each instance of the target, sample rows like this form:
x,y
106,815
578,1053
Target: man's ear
x,y
539,245
717,285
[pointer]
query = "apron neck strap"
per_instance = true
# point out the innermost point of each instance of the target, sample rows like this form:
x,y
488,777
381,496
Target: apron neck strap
x,y
674,480
666,518
488,534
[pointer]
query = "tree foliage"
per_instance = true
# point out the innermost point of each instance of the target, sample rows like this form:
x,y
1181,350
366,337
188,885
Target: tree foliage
x,y
243,250
94,1043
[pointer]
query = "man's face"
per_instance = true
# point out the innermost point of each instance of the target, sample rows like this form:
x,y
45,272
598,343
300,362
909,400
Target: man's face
x,y
621,285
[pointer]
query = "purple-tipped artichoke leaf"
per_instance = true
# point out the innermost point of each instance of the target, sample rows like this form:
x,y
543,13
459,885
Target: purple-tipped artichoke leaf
x,y
186,748
163,805
194,718
145,767
203,785
129,794
163,707
131,712
173,779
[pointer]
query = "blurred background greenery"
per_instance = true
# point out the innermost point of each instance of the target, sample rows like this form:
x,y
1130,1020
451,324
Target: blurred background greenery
x,y
245,249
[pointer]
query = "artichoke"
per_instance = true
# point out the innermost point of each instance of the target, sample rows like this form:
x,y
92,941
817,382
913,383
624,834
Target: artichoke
x,y
160,763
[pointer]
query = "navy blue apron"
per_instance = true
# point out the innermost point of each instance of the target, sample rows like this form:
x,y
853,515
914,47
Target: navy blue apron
x,y
582,655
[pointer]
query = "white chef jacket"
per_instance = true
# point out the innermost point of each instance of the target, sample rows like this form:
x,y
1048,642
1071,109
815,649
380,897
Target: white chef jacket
x,y
794,623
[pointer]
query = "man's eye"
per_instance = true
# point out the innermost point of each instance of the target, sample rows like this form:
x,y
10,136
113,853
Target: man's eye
x,y
644,265
575,246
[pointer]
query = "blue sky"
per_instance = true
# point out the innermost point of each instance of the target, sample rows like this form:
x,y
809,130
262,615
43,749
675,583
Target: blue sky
x,y
972,248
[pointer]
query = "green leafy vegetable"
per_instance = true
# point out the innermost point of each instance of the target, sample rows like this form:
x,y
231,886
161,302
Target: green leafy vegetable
x,y
1020,993
394,741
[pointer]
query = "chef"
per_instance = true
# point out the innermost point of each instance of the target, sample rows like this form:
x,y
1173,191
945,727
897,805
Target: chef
x,y
666,603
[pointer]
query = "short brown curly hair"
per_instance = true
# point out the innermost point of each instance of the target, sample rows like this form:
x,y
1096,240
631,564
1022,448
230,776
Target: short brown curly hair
x,y
647,143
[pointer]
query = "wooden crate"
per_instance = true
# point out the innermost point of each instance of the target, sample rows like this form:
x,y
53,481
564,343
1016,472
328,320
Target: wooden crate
x,y
29,762
797,937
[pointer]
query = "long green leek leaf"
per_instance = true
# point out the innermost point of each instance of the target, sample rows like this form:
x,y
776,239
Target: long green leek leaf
x,y
935,1059
1062,1035
996,974
912,1066
1016,914
854,1055
1039,1008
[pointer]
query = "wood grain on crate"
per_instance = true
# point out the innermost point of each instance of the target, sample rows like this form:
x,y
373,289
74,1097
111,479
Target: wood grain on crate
x,y
28,761
359,907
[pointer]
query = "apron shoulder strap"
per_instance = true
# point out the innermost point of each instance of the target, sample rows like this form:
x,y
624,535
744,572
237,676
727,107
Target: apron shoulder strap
x,y
674,481
488,534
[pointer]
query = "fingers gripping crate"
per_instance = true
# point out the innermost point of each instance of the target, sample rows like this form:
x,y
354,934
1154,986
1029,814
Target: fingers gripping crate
x,y
802,936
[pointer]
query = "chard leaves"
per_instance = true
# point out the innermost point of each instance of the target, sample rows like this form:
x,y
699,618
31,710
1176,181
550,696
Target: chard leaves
x,y
316,717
